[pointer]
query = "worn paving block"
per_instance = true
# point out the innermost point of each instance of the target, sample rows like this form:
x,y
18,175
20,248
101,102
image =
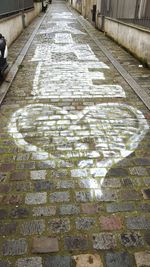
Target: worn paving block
x,y
91,208
44,245
29,262
44,211
59,197
69,209
83,196
88,260
106,195
85,224
32,227
43,186
57,261
4,263
36,198
8,228
14,247
38,175
132,240
118,259
142,258
19,213
59,225
110,223
104,241
138,222
75,243
120,207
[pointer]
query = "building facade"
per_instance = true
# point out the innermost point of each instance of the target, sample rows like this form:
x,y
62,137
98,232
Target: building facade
x,y
90,9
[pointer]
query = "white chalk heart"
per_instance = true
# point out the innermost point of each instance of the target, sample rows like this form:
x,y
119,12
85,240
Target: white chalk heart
x,y
95,138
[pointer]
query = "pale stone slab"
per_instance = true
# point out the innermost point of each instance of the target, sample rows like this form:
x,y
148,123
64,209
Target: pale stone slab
x,y
88,260
142,258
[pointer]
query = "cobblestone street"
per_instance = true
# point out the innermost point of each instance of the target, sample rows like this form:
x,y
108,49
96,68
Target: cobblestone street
x,y
74,152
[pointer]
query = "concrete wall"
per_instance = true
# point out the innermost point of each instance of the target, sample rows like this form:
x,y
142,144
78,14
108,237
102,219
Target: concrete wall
x,y
30,15
84,7
76,4
11,27
134,38
8,29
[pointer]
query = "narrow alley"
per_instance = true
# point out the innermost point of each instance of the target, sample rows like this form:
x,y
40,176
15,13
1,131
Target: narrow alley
x,y
74,151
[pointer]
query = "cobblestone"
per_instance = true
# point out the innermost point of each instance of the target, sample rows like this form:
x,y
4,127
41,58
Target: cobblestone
x,y
12,199
110,223
44,245
88,260
33,227
138,223
142,161
104,241
19,213
43,186
130,195
4,263
14,247
21,186
85,224
105,195
65,184
3,214
90,208
118,172
57,261
38,175
18,176
59,197
44,211
35,198
76,243
82,196
8,229
144,207
132,240
142,258
74,152
140,171
69,209
29,262
118,259
59,225
120,207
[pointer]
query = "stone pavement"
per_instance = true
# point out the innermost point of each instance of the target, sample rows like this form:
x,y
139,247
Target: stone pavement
x,y
75,157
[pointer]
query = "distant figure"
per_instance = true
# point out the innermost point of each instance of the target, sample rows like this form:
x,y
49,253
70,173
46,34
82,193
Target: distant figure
x,y
44,5
50,1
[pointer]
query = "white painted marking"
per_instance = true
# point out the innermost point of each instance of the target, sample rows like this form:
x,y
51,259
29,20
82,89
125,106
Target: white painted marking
x,y
63,38
100,125
61,26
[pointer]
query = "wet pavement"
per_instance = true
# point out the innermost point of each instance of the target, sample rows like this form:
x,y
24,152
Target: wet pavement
x,y
75,157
